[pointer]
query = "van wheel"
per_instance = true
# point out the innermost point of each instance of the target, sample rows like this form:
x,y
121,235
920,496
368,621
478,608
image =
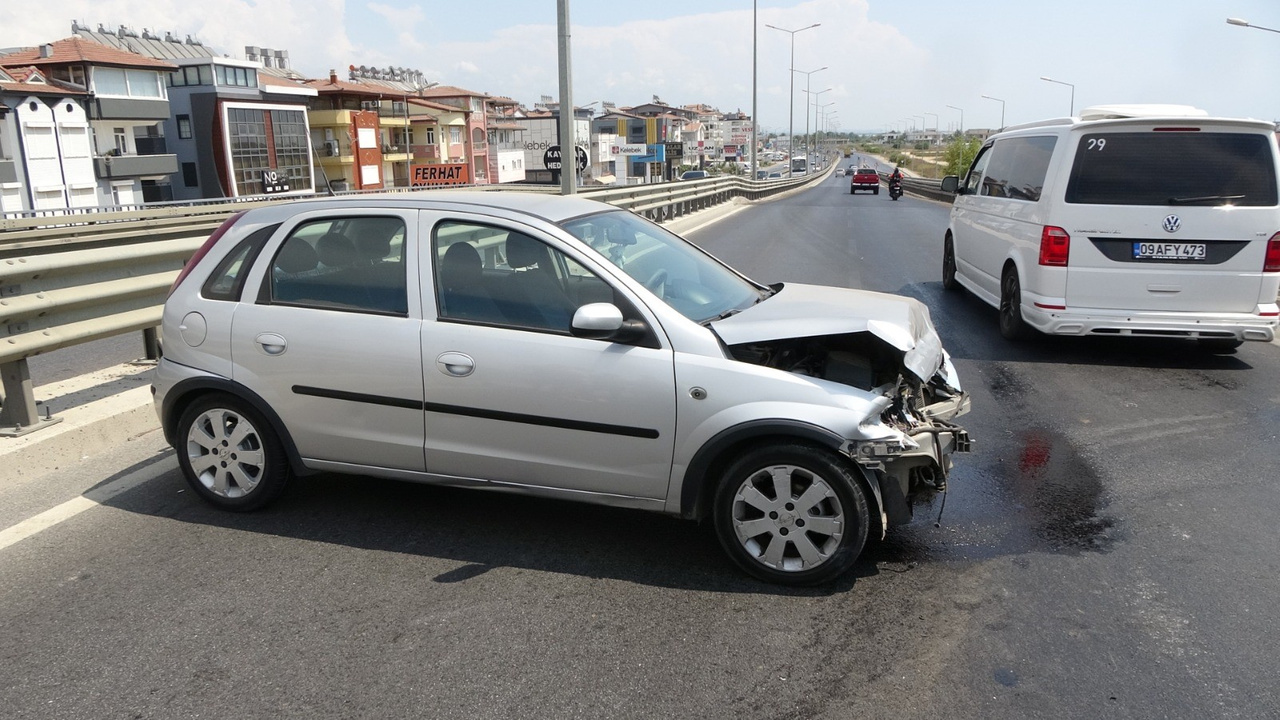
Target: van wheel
x,y
949,267
229,454
1012,326
1219,346
791,514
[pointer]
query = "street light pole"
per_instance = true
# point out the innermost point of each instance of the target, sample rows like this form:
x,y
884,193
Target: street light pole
x,y
807,77
1246,23
1073,92
791,98
953,107
811,98
935,121
1002,108
755,117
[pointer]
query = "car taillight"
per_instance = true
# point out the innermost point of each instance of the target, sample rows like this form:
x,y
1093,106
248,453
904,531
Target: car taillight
x,y
1055,246
204,249
1272,261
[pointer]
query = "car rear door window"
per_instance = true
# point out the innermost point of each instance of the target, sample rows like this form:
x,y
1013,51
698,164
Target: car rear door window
x,y
1173,168
347,263
1018,167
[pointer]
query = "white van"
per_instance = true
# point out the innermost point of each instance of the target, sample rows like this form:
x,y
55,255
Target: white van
x,y
1143,220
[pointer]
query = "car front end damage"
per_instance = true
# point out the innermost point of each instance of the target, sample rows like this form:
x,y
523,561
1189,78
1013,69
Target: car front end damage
x,y
884,348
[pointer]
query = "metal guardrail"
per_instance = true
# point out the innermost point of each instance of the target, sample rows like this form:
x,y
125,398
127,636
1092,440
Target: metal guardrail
x,y
73,277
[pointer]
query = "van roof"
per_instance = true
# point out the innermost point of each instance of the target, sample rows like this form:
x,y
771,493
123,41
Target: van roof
x,y
1101,113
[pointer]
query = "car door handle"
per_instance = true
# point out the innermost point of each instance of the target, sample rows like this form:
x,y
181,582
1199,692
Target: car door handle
x,y
455,364
271,343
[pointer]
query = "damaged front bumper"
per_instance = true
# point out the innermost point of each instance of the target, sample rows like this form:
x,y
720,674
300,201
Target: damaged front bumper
x,y
913,460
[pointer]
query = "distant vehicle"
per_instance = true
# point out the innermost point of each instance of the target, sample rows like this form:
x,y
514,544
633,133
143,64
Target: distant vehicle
x,y
694,175
1167,252
775,175
762,174
864,178
839,171
799,166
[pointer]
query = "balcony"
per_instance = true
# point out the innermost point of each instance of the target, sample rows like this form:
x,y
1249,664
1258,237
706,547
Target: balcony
x,y
425,152
131,166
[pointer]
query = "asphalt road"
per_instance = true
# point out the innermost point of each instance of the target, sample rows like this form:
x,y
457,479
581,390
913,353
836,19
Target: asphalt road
x,y
1108,550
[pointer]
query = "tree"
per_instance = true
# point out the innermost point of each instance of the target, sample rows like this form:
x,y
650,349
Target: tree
x,y
959,155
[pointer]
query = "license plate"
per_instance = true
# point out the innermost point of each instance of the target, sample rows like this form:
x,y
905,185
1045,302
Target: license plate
x,y
1168,251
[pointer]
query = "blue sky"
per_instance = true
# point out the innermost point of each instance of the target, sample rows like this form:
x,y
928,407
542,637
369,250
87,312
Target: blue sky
x,y
889,62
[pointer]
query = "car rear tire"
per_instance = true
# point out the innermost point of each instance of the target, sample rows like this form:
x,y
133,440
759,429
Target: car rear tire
x,y
791,514
875,191
1012,326
949,267
230,455
1219,346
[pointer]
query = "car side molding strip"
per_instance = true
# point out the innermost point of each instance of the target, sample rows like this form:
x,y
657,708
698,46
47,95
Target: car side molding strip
x,y
564,423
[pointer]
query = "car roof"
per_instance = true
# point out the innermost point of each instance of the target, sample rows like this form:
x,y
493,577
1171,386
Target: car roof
x,y
549,207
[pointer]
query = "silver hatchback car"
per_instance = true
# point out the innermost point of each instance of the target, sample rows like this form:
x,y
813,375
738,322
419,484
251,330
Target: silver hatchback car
x,y
560,347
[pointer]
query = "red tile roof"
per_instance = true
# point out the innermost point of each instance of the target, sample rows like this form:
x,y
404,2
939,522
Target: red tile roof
x,y
451,91
326,86
23,83
76,50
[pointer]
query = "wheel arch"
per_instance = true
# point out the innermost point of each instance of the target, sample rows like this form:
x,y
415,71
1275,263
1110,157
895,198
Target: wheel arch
x,y
699,483
189,390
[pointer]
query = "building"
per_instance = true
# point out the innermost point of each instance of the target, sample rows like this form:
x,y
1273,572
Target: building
x,y
106,135
34,172
472,140
237,127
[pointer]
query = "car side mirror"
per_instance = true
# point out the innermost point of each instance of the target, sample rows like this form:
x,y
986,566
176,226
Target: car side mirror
x,y
951,184
604,321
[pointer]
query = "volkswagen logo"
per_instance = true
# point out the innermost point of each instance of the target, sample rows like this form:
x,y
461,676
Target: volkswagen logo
x,y
1172,223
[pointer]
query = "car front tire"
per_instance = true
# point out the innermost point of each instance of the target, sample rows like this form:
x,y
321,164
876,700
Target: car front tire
x,y
791,514
229,454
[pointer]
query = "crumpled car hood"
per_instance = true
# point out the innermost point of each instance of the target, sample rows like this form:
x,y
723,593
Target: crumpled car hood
x,y
802,311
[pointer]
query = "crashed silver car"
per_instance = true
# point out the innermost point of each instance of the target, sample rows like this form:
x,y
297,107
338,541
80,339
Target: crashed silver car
x,y
559,347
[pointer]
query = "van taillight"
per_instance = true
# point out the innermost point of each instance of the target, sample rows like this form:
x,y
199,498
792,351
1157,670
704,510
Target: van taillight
x,y
204,249
1055,246
1272,261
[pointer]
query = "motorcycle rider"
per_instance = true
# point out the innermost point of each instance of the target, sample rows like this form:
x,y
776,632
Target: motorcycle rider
x,y
895,182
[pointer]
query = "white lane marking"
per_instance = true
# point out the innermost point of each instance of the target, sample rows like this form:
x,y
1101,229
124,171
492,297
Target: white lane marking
x,y
69,509
712,221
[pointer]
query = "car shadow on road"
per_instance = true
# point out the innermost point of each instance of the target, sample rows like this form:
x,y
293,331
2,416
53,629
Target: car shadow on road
x,y
969,330
483,530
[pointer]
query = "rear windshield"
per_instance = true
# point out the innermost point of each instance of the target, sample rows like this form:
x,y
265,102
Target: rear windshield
x,y
1173,168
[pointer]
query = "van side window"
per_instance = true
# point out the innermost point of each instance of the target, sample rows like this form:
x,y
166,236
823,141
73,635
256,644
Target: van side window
x,y
972,180
1018,167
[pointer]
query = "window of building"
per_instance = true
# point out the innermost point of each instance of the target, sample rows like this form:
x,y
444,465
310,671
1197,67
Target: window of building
x,y
237,77
293,156
189,178
121,140
123,82
73,74
353,264
430,136
191,75
455,135
184,127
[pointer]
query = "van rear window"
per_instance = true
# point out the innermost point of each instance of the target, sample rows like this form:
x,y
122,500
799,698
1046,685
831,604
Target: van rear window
x,y
1173,168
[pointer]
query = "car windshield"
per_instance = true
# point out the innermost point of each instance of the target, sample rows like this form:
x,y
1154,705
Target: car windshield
x,y
692,282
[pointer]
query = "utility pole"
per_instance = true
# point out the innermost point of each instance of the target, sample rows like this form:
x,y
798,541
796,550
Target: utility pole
x,y
568,147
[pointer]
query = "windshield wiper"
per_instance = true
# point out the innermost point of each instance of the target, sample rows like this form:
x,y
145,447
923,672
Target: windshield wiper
x,y
1203,199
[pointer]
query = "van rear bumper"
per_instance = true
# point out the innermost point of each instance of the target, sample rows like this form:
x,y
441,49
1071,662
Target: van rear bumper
x,y
1092,321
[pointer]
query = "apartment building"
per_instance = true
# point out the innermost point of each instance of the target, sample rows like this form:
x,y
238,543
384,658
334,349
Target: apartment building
x,y
101,142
